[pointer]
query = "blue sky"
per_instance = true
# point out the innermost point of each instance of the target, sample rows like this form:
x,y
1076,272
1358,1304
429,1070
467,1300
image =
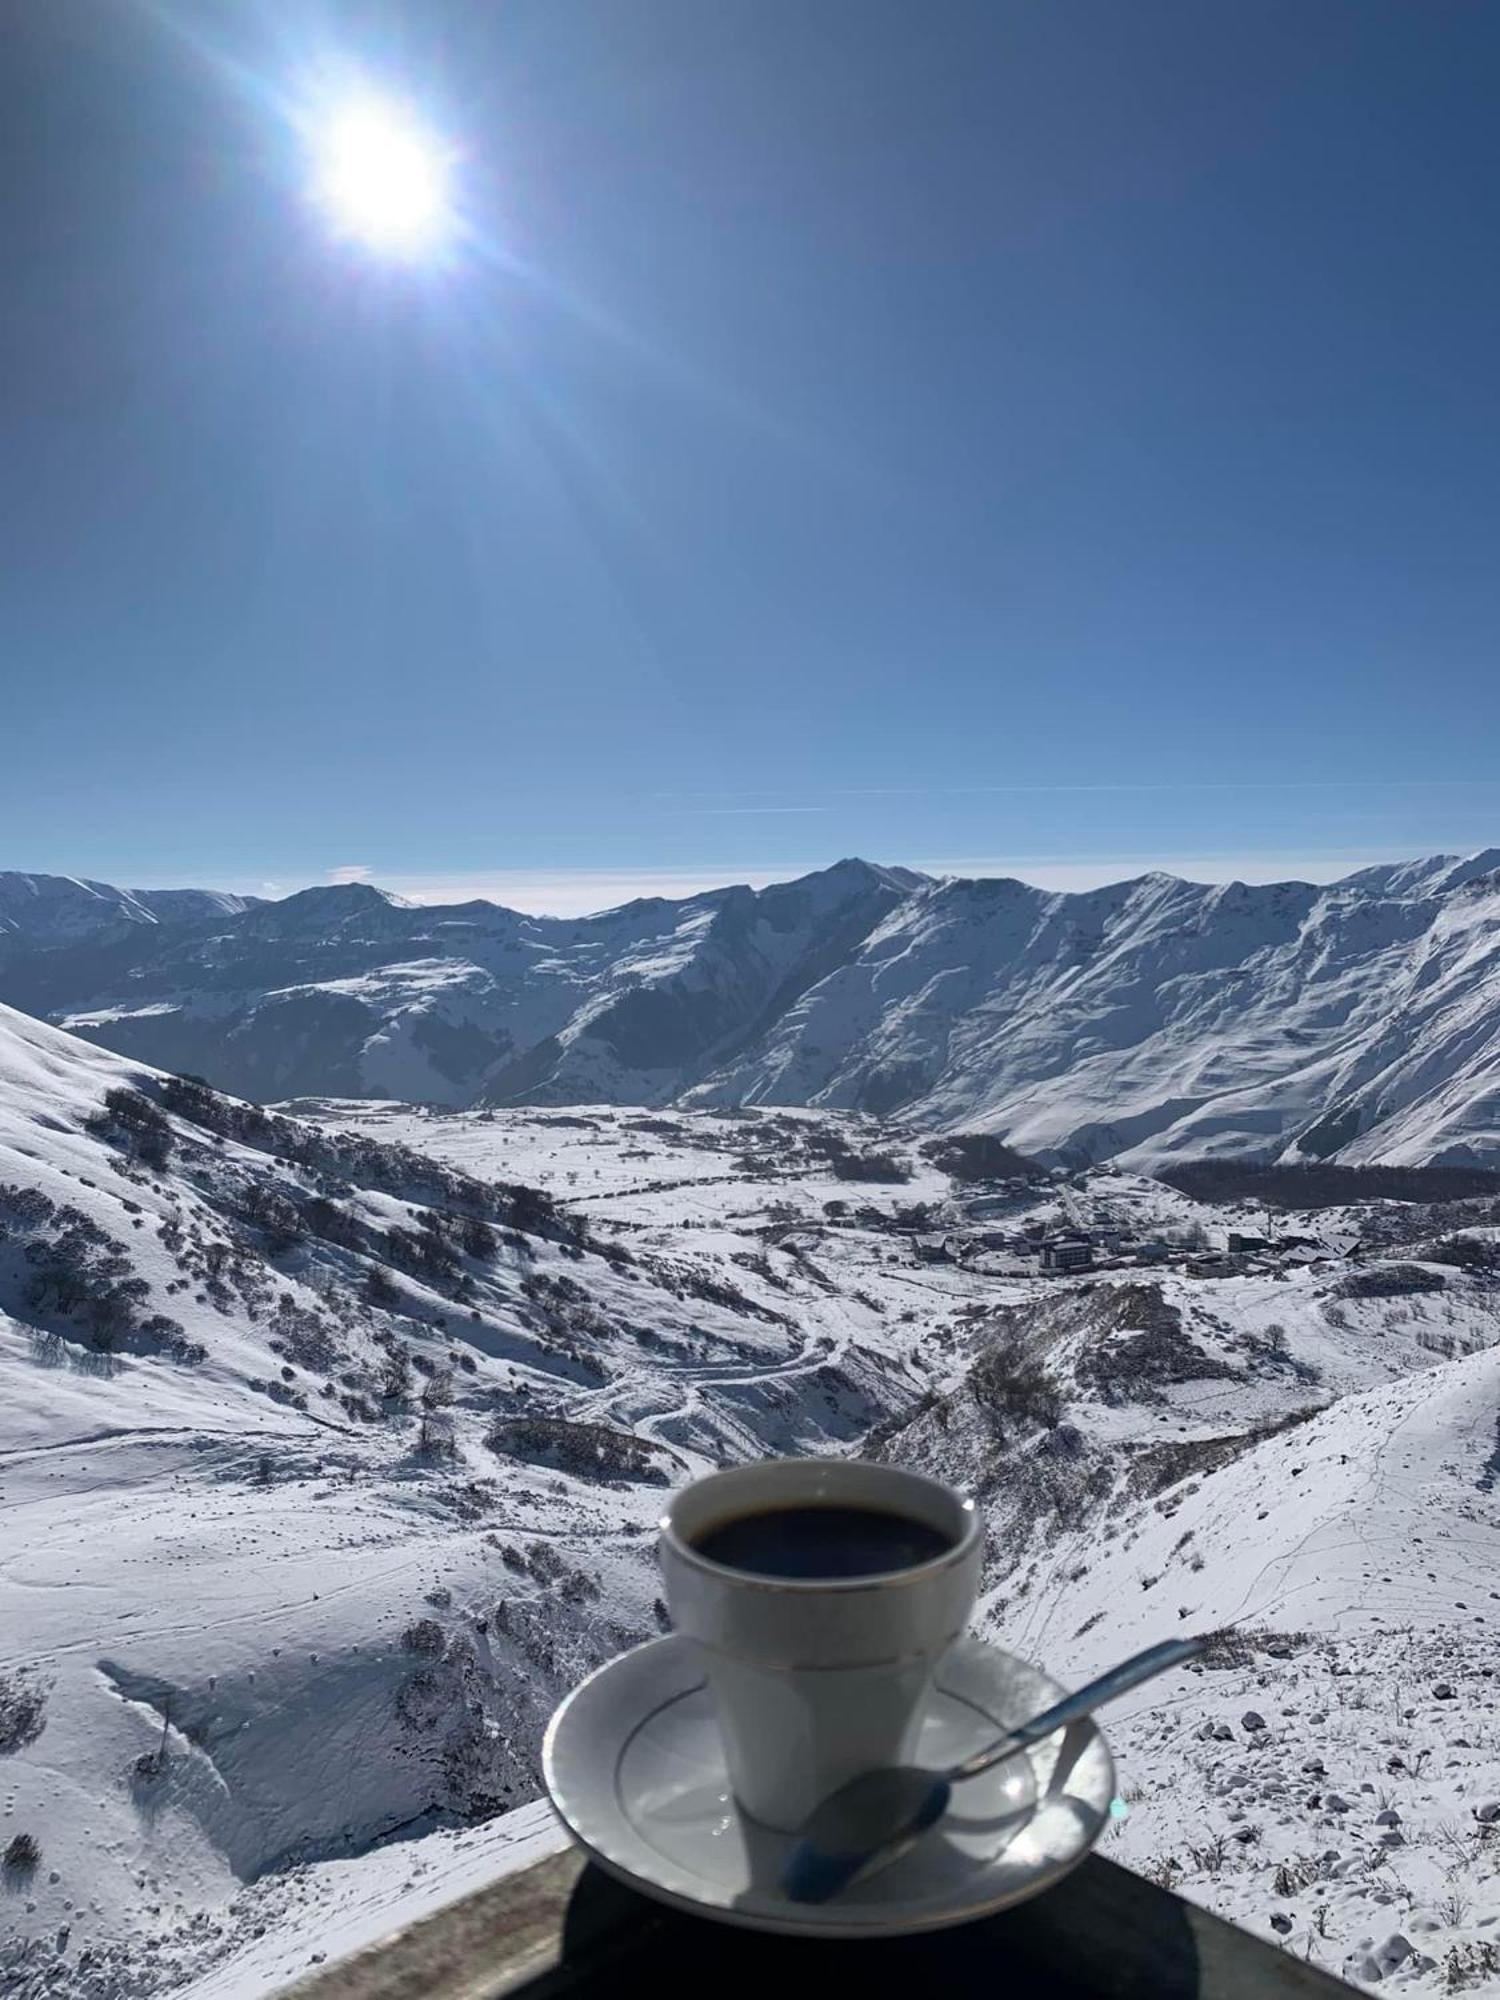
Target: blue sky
x,y
1041,435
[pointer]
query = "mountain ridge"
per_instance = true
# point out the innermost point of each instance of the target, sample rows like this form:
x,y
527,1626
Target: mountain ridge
x,y
63,906
1146,1020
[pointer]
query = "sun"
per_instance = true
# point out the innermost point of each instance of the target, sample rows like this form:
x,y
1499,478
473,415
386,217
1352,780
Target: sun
x,y
380,178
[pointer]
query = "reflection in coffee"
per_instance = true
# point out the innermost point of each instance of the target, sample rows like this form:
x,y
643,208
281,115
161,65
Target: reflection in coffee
x,y
812,1542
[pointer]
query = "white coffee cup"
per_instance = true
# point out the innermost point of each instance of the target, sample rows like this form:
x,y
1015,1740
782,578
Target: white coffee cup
x,y
817,1680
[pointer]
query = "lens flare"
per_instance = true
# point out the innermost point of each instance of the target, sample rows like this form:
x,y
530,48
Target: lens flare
x,y
381,179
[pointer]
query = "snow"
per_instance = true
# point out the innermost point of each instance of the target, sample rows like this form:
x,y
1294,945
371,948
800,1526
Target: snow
x,y
348,1646
328,1910
1370,1531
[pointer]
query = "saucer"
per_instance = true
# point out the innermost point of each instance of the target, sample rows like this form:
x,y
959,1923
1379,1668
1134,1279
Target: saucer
x,y
635,1769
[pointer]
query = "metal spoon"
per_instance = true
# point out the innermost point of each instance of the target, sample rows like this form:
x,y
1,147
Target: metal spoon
x,y
869,1822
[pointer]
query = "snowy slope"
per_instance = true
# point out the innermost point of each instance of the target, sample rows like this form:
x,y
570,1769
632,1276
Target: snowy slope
x,y
1368,1540
1325,1481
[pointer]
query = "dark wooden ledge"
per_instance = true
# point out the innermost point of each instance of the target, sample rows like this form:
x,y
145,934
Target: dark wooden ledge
x,y
561,1927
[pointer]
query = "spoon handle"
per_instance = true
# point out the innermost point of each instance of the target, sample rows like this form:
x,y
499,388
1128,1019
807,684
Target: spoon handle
x,y
1119,1680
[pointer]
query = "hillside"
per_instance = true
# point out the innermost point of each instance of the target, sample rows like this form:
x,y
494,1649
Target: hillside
x,y
331,1447
1332,1777
326,1468
1151,1022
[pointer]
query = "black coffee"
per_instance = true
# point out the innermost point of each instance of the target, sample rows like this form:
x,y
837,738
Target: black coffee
x,y
815,1542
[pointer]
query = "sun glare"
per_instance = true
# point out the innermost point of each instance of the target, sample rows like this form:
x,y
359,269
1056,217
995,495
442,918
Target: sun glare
x,y
382,179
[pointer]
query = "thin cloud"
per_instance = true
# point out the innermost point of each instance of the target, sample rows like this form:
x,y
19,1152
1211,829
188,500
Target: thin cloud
x,y
753,812
349,871
1165,785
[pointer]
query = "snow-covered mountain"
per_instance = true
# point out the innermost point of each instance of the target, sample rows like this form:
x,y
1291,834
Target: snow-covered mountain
x,y
331,1448
1158,1018
1151,1020
349,990
61,909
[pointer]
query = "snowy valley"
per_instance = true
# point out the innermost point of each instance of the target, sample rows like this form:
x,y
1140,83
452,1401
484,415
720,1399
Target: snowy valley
x,y
333,1436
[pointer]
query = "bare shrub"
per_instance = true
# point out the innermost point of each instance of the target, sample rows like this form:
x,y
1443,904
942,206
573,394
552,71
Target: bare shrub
x,y
437,1394
1390,1281
588,1451
1009,1382
129,1121
396,1375
380,1288
23,1711
1470,1964
1237,1646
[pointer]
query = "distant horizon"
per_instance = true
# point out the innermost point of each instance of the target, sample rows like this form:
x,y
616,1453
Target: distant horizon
x,y
581,892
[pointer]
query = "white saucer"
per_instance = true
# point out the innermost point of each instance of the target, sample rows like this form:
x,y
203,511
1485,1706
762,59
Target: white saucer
x,y
634,1766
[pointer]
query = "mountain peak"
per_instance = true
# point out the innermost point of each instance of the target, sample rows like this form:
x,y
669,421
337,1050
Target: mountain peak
x,y
1430,875
340,898
856,871
1474,867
